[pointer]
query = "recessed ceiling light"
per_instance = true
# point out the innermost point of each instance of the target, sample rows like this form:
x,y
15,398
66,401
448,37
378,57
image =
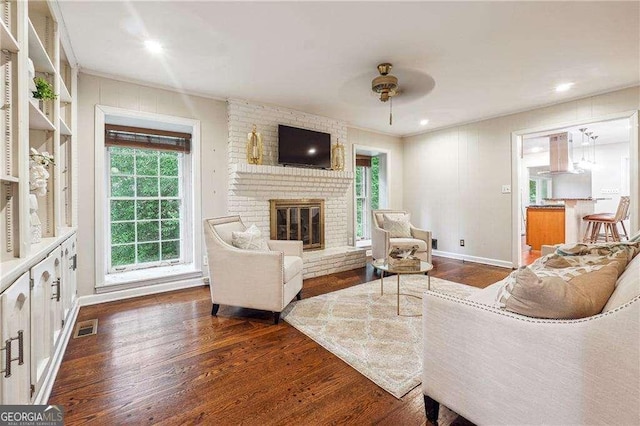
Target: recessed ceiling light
x,y
153,46
424,122
564,87
536,149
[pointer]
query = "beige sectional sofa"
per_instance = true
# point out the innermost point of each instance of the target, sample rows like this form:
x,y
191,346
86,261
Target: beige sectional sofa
x,y
493,366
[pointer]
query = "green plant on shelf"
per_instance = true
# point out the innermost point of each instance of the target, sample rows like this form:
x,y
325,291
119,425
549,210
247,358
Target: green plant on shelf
x,y
44,89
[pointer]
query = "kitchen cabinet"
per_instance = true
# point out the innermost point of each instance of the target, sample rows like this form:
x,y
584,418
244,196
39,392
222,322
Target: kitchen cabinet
x,y
545,226
15,338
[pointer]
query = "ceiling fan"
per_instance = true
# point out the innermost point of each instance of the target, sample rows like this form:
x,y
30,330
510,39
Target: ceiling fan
x,y
386,85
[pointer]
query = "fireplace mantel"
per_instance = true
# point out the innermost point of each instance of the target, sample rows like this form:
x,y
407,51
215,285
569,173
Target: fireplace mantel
x,y
315,182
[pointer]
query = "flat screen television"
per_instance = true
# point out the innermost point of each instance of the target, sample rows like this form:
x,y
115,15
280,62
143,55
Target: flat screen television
x,y
304,148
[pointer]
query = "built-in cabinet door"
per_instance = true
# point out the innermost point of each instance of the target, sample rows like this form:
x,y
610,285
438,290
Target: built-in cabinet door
x,y
43,301
15,336
69,265
56,307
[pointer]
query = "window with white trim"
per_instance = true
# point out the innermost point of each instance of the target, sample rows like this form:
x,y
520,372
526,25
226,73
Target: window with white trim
x,y
366,193
146,202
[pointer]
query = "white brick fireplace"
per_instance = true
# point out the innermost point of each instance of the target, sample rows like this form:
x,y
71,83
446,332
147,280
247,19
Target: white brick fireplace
x,y
251,186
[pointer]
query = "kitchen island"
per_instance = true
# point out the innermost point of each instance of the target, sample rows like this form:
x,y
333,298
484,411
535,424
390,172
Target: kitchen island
x,y
574,210
545,225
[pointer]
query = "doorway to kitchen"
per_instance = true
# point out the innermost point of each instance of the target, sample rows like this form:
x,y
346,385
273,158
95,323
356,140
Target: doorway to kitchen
x,y
566,172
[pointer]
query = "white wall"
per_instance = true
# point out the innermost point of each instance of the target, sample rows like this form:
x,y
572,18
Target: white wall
x,y
212,114
394,147
453,177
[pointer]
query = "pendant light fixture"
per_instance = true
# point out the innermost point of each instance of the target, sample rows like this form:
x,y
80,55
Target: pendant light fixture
x,y
593,138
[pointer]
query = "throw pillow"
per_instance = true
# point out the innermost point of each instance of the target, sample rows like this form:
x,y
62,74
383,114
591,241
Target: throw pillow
x,y
557,261
397,227
250,239
552,297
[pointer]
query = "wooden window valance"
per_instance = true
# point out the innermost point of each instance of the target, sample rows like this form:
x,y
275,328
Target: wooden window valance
x,y
139,137
363,160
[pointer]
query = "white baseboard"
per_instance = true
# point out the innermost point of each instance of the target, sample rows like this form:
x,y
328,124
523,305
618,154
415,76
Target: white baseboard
x,y
474,259
47,385
113,296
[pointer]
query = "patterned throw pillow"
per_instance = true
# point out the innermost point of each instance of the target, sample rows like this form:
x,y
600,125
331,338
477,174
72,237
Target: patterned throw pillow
x,y
551,296
250,239
398,227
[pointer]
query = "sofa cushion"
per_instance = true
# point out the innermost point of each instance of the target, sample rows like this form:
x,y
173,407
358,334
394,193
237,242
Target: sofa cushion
x,y
397,227
405,243
627,286
583,295
292,266
251,239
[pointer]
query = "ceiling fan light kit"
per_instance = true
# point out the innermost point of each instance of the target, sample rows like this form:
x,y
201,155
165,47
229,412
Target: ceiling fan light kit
x,y
386,86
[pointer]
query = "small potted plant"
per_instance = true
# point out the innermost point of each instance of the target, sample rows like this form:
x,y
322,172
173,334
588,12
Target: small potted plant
x,y
44,90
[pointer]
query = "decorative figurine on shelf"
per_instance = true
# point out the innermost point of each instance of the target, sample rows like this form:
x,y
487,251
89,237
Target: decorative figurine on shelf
x,y
337,156
38,177
254,147
38,174
36,225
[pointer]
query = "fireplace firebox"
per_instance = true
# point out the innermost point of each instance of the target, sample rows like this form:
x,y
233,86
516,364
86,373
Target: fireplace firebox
x,y
301,220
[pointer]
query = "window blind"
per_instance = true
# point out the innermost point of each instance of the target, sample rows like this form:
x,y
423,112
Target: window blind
x,y
139,137
363,160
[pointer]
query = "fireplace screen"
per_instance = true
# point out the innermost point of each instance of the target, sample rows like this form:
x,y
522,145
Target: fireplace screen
x,y
301,220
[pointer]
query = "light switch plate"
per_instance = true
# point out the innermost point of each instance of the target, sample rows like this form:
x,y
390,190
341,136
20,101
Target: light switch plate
x,y
506,189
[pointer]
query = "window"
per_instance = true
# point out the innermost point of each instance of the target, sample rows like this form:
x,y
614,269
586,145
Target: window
x,y
145,197
366,193
146,207
539,189
147,200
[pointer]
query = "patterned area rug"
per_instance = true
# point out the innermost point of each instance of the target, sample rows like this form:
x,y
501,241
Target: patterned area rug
x,y
362,328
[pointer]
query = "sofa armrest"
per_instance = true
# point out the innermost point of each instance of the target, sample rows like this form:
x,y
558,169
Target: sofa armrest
x,y
379,243
496,367
289,248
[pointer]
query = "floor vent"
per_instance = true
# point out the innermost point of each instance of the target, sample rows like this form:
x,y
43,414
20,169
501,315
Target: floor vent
x,y
86,328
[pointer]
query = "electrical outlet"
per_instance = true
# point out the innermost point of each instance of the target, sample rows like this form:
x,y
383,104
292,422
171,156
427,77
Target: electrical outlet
x,y
610,191
461,243
506,189
205,260
434,243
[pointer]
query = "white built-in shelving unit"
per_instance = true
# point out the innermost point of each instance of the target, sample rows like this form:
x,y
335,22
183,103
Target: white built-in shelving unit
x,y
37,282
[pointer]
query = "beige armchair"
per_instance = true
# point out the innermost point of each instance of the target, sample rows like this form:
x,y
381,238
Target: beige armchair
x,y
381,242
265,280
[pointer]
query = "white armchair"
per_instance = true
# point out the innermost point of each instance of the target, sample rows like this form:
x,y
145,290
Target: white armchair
x,y
381,242
265,280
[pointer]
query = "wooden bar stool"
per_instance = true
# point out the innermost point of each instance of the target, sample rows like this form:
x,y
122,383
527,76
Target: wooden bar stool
x,y
610,221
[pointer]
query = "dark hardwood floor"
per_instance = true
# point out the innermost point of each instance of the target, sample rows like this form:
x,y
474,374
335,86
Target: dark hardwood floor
x,y
163,359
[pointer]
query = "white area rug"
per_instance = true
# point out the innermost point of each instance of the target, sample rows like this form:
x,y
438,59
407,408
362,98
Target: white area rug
x,y
361,327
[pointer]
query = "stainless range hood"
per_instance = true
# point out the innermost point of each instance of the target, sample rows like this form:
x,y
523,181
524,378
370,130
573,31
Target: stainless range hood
x,y
560,153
